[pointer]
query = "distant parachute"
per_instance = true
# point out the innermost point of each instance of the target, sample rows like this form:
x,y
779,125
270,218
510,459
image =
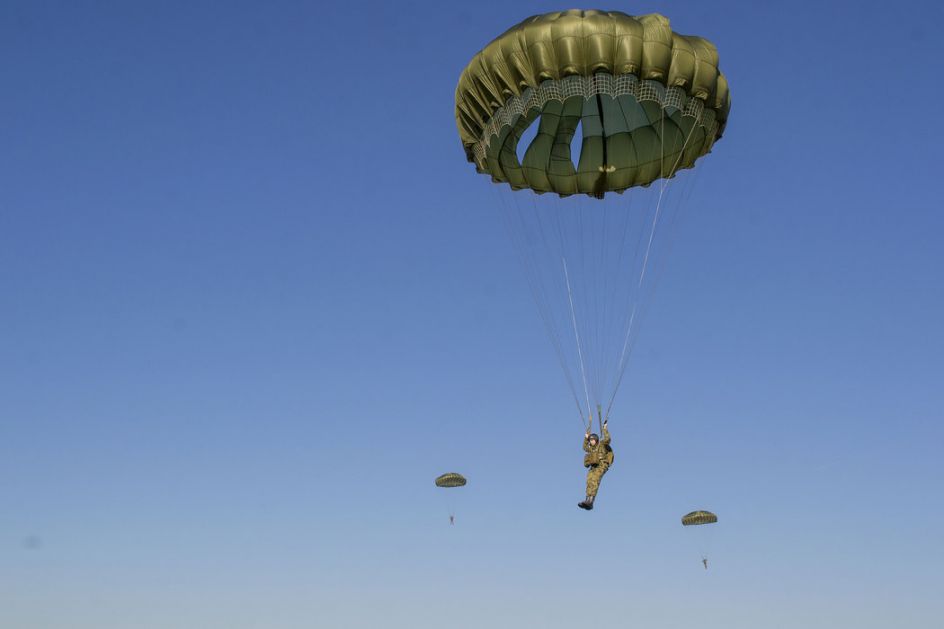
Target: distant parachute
x,y
699,517
450,479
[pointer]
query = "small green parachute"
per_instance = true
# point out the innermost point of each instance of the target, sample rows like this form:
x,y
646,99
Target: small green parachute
x,y
698,517
450,479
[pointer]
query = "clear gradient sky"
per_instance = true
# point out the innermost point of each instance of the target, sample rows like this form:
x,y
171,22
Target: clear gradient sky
x,y
253,300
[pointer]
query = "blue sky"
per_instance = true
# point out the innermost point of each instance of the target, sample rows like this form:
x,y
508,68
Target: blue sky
x,y
253,300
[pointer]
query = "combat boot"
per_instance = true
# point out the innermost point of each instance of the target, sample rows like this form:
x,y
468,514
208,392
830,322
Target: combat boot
x,y
587,503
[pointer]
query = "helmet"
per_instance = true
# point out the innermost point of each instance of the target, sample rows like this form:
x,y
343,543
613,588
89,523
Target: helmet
x,y
594,437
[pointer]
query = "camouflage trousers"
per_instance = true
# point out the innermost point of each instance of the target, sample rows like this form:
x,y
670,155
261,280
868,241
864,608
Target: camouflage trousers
x,y
594,476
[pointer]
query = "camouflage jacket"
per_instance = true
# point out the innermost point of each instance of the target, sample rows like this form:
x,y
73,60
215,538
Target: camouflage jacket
x,y
601,453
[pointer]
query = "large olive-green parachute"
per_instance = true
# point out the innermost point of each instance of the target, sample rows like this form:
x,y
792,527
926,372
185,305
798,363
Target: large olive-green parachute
x,y
696,518
584,103
650,102
450,479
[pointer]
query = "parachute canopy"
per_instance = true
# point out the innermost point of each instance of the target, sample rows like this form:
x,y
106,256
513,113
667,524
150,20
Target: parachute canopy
x,y
583,104
648,102
450,479
699,517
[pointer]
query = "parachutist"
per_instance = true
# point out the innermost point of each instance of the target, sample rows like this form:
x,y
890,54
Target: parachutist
x,y
450,480
598,460
699,519
647,103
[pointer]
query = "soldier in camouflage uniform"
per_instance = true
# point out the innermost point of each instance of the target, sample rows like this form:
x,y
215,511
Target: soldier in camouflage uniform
x,y
597,460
